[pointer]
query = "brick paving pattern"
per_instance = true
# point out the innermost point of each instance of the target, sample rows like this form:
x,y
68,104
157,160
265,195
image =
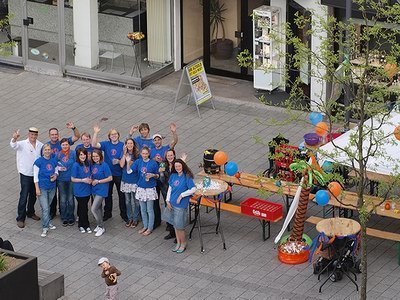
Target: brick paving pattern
x,y
248,269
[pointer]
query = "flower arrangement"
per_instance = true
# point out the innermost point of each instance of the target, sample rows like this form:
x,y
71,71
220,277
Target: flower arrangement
x,y
136,36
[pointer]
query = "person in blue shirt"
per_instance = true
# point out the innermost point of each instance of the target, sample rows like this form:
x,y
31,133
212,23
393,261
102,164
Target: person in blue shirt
x,y
55,144
143,139
101,177
129,182
158,154
66,158
86,144
44,177
181,187
113,150
147,170
82,186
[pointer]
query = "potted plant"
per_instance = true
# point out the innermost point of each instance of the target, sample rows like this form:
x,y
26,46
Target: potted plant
x,y
18,276
221,48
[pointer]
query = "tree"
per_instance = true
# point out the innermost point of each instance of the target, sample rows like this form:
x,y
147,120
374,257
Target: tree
x,y
360,58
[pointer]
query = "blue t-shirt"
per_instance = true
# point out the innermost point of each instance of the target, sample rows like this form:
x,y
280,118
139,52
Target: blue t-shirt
x,y
112,151
154,153
141,168
56,147
63,161
141,142
100,172
47,168
180,184
129,178
79,171
89,150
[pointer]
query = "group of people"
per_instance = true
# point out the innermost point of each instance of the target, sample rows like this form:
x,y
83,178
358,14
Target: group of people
x,y
141,168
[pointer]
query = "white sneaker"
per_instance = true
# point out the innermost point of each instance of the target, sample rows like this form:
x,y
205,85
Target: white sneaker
x,y
52,227
96,229
44,232
88,230
82,230
100,231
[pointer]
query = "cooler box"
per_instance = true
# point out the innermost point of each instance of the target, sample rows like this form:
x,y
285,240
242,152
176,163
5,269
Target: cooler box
x,y
263,209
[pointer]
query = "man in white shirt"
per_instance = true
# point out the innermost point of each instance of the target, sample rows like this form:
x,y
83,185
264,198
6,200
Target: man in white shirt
x,y
27,152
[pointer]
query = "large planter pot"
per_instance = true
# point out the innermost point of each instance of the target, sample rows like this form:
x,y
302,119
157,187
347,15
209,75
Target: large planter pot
x,y
223,49
20,282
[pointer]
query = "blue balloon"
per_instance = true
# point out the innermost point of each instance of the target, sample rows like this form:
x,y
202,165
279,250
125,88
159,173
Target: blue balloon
x,y
316,117
327,167
322,197
231,168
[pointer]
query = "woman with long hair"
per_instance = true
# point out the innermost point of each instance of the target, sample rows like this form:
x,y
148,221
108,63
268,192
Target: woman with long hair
x,y
181,187
66,158
147,170
82,186
129,182
44,177
101,176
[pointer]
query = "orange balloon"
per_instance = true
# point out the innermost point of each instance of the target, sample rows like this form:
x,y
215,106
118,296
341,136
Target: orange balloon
x,y
391,70
397,132
321,128
335,188
220,158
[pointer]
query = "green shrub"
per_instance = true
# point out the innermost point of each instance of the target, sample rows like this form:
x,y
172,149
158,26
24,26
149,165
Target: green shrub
x,y
3,263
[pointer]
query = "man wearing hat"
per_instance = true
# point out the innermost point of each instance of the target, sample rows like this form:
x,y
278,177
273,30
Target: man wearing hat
x,y
27,152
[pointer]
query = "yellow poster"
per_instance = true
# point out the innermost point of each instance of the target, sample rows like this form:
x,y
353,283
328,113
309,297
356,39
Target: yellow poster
x,y
198,82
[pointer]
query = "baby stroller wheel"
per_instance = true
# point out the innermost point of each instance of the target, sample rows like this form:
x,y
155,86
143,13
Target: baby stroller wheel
x,y
357,266
336,276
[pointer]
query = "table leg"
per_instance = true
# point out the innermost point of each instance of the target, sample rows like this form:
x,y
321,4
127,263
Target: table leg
x,y
218,229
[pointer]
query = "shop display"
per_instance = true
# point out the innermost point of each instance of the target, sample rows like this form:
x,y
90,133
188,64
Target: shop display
x,y
266,60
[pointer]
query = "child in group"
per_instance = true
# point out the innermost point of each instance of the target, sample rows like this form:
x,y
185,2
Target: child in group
x,y
110,274
146,193
101,176
144,139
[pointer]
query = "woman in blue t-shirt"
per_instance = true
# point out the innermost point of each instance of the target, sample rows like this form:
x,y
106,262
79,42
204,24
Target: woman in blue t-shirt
x,y
129,182
66,158
101,176
44,176
80,176
147,171
181,187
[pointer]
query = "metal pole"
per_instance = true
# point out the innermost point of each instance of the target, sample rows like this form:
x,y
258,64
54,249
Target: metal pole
x,y
347,86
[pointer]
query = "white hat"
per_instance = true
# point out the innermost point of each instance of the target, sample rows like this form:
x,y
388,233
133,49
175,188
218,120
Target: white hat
x,y
33,129
103,259
157,135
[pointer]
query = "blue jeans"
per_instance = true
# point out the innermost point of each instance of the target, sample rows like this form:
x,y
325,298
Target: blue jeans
x,y
147,210
27,195
132,205
45,199
67,204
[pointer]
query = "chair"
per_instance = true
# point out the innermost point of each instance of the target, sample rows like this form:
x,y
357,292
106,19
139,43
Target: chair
x,y
106,51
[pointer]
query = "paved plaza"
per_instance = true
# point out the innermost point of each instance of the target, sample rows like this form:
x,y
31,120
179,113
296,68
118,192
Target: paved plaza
x,y
248,269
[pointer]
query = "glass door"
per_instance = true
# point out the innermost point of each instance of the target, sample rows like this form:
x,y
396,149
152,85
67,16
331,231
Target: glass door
x,y
40,22
227,32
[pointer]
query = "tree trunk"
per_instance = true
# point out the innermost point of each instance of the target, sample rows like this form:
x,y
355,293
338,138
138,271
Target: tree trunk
x,y
300,217
364,277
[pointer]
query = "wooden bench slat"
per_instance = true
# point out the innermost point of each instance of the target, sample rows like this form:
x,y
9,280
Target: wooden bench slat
x,y
370,231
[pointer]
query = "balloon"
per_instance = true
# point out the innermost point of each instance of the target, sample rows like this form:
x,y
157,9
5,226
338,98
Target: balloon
x,y
321,128
220,158
316,117
397,132
322,197
391,70
335,188
327,167
231,168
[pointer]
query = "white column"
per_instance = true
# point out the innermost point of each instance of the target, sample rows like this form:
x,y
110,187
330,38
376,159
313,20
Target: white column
x,y
86,33
177,35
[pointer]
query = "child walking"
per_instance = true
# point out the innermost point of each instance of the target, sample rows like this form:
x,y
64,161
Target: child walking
x,y
110,274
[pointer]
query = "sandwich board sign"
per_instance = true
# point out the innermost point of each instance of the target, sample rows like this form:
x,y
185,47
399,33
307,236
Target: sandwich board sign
x,y
194,85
